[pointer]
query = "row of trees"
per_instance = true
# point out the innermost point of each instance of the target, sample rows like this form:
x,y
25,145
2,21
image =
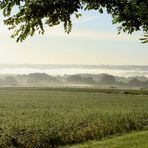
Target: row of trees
x,y
42,79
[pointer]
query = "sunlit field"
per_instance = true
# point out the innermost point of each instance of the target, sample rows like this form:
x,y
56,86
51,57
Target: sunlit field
x,y
134,140
52,117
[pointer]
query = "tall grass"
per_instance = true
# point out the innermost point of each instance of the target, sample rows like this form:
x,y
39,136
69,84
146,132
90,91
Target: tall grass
x,y
48,118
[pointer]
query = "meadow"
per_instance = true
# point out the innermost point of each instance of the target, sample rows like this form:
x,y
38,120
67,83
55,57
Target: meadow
x,y
130,140
52,117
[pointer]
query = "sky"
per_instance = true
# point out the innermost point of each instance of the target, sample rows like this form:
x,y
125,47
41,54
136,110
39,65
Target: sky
x,y
93,41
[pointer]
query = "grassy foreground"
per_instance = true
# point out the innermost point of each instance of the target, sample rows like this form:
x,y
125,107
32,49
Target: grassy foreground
x,y
133,140
46,117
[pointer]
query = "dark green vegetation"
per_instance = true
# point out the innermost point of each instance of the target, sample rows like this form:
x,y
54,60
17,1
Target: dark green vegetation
x,y
134,140
49,117
32,15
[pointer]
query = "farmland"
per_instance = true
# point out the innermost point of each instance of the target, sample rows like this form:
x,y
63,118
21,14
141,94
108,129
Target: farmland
x,y
51,117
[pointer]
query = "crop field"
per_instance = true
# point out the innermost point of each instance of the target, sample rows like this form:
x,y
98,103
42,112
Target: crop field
x,y
52,117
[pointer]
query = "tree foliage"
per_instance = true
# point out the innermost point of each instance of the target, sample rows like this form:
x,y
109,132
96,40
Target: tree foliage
x,y
31,15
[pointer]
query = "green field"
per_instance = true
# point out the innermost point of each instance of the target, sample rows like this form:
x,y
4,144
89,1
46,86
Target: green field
x,y
132,140
51,117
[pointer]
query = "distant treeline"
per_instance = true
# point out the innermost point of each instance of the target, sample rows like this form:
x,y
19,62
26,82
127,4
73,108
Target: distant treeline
x,y
42,79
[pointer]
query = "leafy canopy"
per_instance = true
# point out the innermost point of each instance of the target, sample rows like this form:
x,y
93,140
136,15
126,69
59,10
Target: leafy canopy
x,y
31,15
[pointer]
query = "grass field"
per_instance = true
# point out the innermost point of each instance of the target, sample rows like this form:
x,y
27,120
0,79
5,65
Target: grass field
x,y
49,117
132,140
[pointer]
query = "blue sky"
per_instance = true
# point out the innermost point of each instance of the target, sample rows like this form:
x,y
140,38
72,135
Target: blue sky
x,y
93,40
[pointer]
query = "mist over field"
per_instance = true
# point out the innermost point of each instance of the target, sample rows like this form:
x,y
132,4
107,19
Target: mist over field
x,y
117,70
74,75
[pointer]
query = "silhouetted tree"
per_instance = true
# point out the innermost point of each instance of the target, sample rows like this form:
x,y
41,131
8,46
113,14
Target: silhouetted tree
x,y
108,80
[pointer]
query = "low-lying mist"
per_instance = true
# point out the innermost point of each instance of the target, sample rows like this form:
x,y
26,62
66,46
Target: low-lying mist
x,y
73,75
83,80
54,70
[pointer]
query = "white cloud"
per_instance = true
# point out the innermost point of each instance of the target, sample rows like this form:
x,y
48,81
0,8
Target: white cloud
x,y
83,34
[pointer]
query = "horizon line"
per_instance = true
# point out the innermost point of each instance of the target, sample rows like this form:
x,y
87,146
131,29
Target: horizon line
x,y
73,64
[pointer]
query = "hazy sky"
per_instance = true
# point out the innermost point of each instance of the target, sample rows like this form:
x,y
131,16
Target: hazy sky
x,y
93,40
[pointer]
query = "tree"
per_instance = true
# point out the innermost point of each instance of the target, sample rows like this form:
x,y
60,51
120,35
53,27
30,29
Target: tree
x,y
31,15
